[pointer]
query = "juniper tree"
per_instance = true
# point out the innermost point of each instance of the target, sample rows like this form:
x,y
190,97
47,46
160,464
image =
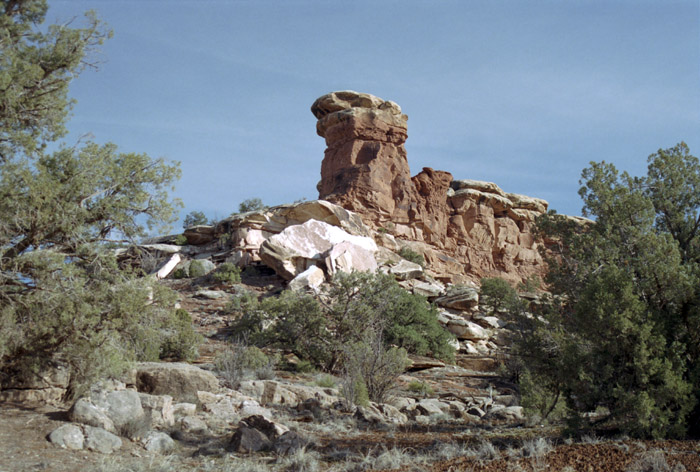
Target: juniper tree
x,y
625,328
63,297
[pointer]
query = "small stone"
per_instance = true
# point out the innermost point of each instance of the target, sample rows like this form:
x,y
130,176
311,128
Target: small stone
x,y
247,439
158,442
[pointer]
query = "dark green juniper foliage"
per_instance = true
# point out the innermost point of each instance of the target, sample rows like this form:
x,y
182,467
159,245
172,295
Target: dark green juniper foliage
x,y
62,296
623,330
251,204
194,218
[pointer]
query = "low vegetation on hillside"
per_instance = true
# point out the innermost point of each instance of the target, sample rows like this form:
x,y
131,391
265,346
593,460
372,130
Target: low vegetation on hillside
x,y
364,324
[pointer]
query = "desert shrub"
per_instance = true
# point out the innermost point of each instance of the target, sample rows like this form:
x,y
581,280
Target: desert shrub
x,y
531,342
487,451
302,460
540,399
395,458
180,240
536,448
412,323
135,428
180,340
412,256
227,273
305,367
419,387
326,381
407,320
240,361
196,269
449,450
363,326
370,363
251,204
653,461
291,321
530,284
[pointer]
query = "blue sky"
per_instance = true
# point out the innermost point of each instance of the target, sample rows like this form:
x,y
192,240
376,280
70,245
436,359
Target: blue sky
x,y
521,93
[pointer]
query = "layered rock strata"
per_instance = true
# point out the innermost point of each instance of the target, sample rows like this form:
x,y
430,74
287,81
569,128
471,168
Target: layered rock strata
x,y
465,229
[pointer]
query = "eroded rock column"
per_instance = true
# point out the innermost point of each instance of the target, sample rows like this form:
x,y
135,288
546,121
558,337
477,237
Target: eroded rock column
x,y
365,167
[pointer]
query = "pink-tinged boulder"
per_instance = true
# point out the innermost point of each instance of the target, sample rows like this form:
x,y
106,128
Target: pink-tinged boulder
x,y
298,247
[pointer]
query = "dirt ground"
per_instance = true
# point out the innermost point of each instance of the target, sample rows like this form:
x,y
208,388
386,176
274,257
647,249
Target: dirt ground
x,y
24,448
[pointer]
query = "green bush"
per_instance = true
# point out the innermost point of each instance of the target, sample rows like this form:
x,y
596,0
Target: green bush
x,y
181,340
180,240
370,363
326,381
194,218
497,297
227,273
354,303
422,388
251,204
305,367
196,269
412,256
242,360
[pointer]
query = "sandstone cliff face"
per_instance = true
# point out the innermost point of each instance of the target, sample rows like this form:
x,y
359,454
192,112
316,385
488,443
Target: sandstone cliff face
x,y
465,229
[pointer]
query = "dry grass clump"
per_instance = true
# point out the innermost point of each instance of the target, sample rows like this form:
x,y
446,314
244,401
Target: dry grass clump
x,y
653,461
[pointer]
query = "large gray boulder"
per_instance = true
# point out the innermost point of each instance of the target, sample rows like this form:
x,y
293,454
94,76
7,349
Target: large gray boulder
x,y
111,410
84,411
179,380
406,270
468,330
196,267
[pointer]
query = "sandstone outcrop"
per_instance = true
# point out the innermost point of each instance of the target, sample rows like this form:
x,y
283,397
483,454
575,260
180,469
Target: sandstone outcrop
x,y
365,168
465,229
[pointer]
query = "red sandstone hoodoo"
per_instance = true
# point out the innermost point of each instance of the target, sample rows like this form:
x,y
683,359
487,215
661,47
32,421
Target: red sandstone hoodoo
x,y
466,229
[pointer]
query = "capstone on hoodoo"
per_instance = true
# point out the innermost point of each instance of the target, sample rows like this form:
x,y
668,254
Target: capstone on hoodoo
x,y
466,229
